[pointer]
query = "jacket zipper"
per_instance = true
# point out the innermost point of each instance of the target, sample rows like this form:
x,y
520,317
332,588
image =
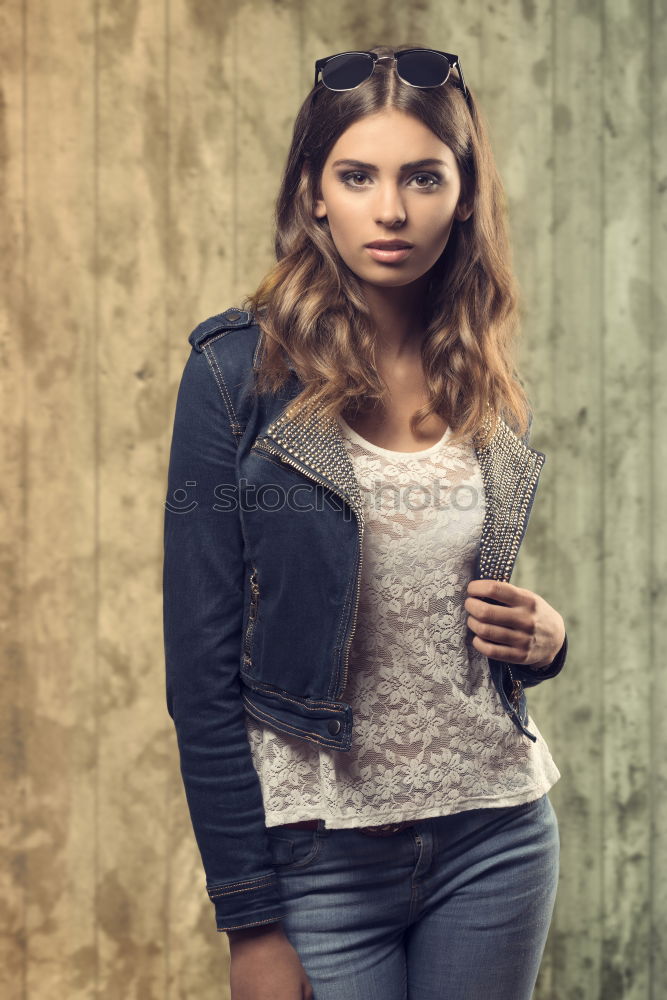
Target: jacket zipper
x,y
252,614
272,450
517,688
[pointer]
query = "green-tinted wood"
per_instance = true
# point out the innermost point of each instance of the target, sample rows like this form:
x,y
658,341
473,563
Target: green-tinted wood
x,y
656,481
577,463
625,369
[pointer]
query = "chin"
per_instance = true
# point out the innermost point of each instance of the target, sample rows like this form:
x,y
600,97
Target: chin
x,y
392,277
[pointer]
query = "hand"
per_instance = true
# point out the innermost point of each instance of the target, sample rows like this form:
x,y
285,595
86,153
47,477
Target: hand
x,y
522,629
265,966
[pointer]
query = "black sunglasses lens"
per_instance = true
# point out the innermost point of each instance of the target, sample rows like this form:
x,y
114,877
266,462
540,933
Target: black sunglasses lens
x,y
347,70
423,68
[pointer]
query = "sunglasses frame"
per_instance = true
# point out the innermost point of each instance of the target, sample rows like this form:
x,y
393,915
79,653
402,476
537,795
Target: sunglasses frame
x,y
452,59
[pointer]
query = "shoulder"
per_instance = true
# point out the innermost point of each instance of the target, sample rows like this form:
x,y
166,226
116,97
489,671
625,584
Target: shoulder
x,y
220,369
240,323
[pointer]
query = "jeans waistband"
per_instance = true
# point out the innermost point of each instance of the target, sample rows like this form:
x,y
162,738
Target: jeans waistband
x,y
384,830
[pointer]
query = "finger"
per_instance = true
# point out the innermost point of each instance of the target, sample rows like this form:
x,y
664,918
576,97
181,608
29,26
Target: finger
x,y
507,654
496,614
498,590
498,635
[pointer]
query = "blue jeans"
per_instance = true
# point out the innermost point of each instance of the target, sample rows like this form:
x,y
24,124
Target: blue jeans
x,y
451,908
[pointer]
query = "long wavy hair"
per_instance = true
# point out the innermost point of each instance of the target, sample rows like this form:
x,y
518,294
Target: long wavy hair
x,y
311,308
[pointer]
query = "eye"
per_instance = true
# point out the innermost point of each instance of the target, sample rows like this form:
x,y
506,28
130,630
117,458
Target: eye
x,y
432,180
354,173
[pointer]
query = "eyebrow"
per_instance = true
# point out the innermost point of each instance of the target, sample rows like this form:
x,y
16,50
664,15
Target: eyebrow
x,y
404,166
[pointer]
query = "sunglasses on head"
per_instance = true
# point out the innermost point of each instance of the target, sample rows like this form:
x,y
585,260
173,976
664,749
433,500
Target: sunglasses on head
x,y
420,68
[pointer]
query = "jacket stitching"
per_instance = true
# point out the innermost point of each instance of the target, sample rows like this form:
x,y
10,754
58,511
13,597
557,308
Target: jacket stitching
x,y
243,881
312,706
255,923
333,686
230,892
212,339
256,351
304,734
219,378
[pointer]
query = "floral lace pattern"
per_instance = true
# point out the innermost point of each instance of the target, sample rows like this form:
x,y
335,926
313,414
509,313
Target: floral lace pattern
x,y
430,734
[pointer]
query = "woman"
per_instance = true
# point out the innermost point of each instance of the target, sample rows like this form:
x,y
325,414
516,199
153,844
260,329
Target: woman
x,y
346,661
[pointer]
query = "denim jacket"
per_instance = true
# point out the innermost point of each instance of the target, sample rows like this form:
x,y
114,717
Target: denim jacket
x,y
263,532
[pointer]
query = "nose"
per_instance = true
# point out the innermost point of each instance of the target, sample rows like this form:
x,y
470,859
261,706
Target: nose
x,y
390,210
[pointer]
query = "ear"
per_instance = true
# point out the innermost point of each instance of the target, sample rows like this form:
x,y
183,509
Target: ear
x,y
463,211
319,208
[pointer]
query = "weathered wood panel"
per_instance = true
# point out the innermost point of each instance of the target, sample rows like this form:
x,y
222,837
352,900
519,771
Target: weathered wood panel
x,y
655,480
132,275
13,764
625,367
572,366
49,319
141,146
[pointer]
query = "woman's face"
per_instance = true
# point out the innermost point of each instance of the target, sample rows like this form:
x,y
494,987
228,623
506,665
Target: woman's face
x,y
374,186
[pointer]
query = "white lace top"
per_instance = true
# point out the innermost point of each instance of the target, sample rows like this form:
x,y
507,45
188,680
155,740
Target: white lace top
x,y
430,735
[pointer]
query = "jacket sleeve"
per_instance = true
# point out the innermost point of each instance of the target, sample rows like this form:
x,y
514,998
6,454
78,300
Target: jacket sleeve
x,y
203,600
530,676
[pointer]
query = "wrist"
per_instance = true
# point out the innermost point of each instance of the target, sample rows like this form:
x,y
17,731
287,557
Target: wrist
x,y
545,665
252,932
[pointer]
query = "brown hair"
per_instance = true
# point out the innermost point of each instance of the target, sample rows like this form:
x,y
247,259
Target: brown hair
x,y
310,305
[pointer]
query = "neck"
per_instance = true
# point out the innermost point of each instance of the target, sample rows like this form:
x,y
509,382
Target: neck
x,y
398,316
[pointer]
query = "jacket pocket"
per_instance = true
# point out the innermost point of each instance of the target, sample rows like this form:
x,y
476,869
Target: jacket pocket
x,y
252,617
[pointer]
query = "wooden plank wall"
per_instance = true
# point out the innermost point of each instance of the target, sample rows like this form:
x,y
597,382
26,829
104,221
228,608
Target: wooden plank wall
x,y
141,144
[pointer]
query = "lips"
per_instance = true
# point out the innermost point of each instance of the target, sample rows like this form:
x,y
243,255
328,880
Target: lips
x,y
389,244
